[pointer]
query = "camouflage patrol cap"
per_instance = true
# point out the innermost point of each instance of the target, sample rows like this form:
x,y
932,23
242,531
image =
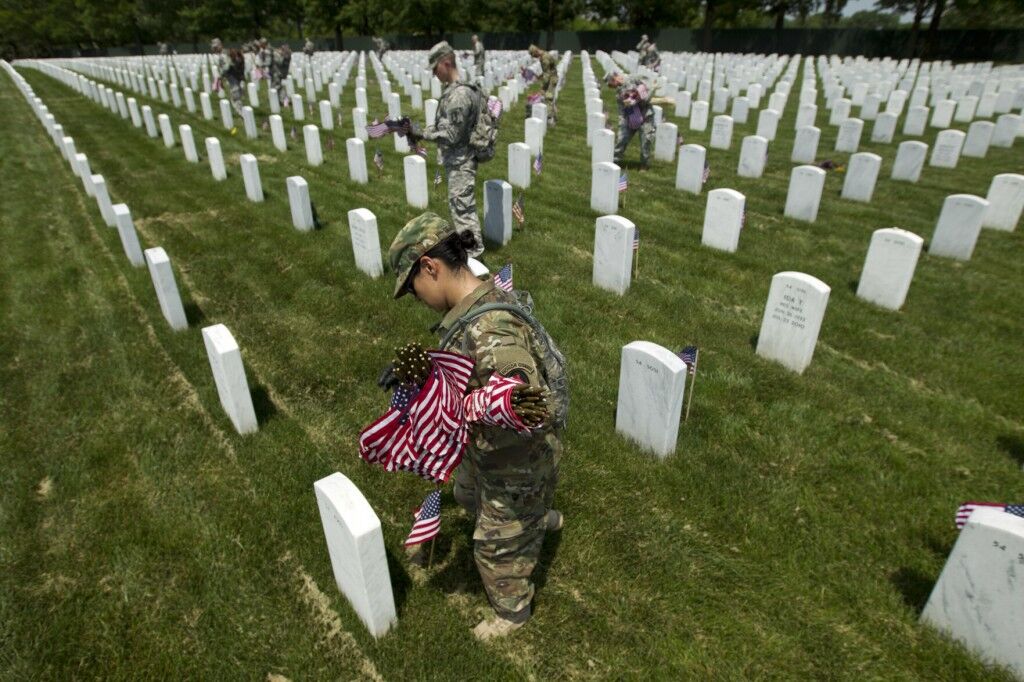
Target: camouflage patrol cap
x,y
439,52
215,43
419,236
611,76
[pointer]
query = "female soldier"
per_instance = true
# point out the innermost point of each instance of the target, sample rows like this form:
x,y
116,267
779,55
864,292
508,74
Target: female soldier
x,y
506,480
234,74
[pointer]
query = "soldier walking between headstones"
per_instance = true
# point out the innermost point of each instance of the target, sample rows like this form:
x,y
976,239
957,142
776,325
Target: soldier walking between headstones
x,y
457,112
642,46
479,56
548,79
650,57
633,95
309,49
234,74
280,64
506,479
264,60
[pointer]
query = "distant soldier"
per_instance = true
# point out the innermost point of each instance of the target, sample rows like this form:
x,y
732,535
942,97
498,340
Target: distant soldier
x,y
380,46
548,79
279,66
234,76
633,95
642,46
457,113
218,62
651,59
309,49
164,49
264,60
479,55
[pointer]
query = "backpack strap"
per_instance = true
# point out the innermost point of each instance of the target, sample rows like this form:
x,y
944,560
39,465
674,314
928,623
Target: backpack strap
x,y
464,321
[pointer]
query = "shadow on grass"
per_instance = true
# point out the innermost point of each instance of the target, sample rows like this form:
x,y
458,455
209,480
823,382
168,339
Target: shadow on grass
x,y
852,285
400,581
194,314
262,404
914,586
1012,445
753,340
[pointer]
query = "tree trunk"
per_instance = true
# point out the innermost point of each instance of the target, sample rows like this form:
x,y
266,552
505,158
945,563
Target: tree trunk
x,y
915,30
709,18
337,37
780,16
933,27
549,40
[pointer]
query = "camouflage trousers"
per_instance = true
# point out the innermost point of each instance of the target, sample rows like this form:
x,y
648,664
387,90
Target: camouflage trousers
x,y
462,201
510,492
646,131
235,88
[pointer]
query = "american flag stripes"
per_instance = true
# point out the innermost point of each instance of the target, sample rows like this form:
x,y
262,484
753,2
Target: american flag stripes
x,y
378,160
377,129
623,183
538,163
707,173
421,151
294,135
636,238
517,210
426,520
492,405
494,106
503,279
425,433
967,508
437,177
689,356
534,98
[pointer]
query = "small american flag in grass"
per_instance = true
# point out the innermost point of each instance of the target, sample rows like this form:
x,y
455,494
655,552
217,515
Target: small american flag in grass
x,y
967,508
689,356
378,160
421,151
623,183
538,164
636,238
437,177
517,210
707,173
503,278
426,520
294,134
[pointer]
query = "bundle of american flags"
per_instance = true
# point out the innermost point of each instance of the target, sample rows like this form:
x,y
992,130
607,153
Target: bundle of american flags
x,y
424,431
528,75
503,279
634,117
494,106
967,508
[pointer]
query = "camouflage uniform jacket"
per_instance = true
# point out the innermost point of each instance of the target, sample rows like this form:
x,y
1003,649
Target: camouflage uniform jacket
x,y
498,342
629,93
220,64
479,54
281,63
457,112
549,71
264,60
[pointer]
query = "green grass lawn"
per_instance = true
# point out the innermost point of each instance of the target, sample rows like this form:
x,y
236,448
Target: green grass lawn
x,y
796,532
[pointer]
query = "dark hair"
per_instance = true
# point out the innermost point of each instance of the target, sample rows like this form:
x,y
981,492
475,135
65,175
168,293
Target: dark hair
x,y
453,251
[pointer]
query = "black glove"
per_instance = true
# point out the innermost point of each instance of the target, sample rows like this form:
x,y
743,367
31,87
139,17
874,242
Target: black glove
x,y
387,379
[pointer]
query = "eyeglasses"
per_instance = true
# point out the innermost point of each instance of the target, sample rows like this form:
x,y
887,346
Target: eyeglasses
x,y
410,281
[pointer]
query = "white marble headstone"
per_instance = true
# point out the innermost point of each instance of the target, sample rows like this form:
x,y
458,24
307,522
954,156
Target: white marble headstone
x,y
356,152
889,267
311,138
298,200
699,116
166,288
652,383
792,319
362,227
216,158
916,121
229,374
979,136
848,139
1005,202
355,544
416,181
946,152
804,196
768,124
909,161
251,177
978,597
604,188
99,188
690,169
519,165
805,145
723,219
1007,128
129,238
165,130
666,140
753,155
613,253
721,132
861,174
188,143
958,227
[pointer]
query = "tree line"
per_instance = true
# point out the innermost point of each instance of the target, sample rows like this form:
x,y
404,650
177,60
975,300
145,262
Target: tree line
x,y
33,28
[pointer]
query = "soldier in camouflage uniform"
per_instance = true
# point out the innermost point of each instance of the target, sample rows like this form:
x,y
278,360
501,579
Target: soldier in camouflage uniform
x,y
479,56
457,112
548,79
309,49
264,60
633,95
507,481
279,66
229,71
